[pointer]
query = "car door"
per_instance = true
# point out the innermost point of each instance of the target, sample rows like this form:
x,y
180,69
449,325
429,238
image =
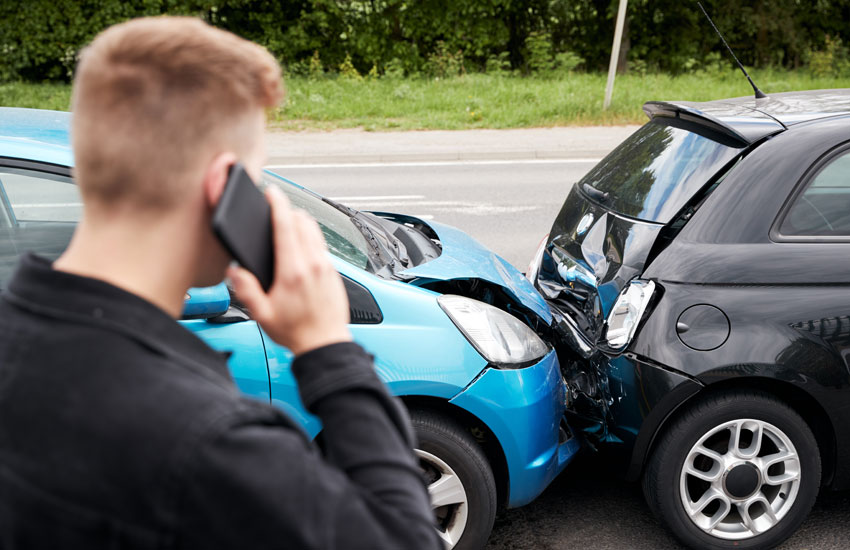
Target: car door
x,y
365,318
39,208
240,337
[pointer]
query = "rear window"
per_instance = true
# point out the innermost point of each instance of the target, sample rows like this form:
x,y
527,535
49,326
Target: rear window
x,y
654,173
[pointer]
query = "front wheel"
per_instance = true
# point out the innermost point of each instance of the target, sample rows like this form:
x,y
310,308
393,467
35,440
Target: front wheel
x,y
460,481
737,469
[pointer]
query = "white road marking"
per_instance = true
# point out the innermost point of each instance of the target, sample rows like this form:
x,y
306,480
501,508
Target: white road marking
x,y
48,205
456,207
377,198
406,203
433,163
489,209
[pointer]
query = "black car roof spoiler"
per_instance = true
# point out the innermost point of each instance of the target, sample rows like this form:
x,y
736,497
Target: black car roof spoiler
x,y
740,129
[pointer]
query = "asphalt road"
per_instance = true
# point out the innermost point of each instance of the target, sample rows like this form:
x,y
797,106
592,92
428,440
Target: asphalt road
x,y
509,206
588,507
506,205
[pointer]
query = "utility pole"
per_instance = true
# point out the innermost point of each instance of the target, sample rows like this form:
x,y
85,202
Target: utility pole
x,y
615,53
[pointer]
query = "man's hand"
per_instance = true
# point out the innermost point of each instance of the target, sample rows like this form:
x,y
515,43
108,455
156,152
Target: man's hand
x,y
306,306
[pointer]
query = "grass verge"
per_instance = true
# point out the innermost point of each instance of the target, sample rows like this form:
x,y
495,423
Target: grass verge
x,y
475,100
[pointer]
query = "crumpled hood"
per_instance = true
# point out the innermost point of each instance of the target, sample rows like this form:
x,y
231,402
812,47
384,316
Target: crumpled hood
x,y
465,258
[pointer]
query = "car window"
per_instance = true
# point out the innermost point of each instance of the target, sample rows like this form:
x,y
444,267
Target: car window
x,y
39,210
40,196
657,170
823,209
344,240
38,213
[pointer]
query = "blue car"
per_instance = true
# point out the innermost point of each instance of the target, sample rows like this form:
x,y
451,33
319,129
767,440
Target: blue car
x,y
454,330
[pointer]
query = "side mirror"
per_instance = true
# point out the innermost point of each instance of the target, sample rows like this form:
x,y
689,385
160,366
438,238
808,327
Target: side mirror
x,y
207,302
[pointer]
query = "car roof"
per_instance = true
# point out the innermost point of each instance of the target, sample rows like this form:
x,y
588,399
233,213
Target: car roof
x,y
789,108
749,119
36,134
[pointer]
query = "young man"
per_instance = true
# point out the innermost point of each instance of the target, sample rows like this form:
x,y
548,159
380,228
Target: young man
x,y
118,427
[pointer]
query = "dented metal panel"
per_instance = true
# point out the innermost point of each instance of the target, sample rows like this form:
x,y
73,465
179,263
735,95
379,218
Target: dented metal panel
x,y
465,258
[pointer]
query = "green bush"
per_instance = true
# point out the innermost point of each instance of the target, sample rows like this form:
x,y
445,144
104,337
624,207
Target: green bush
x,y
717,65
444,63
567,61
499,63
541,60
394,69
315,69
637,67
347,70
831,61
40,39
538,46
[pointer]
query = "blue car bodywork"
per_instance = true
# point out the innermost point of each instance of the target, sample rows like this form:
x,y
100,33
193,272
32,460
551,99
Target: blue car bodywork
x,y
419,352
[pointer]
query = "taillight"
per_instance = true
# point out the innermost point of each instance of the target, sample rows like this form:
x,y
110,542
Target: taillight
x,y
627,311
534,264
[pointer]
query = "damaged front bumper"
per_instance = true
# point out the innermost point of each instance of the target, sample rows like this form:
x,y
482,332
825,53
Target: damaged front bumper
x,y
525,409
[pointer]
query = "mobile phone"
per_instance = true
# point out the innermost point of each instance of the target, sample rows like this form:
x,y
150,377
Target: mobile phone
x,y
242,221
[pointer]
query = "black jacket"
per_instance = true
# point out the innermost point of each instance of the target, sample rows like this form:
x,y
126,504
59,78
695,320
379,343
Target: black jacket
x,y
121,429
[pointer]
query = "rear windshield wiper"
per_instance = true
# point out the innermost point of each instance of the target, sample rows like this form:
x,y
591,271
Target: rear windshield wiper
x,y
594,193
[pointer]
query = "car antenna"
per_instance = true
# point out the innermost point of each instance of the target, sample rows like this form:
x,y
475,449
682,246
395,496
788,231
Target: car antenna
x,y
759,93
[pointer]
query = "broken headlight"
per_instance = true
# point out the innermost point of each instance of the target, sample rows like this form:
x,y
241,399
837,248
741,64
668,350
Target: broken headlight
x,y
625,315
499,337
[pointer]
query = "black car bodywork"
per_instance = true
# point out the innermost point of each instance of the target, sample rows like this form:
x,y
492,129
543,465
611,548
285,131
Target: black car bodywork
x,y
740,300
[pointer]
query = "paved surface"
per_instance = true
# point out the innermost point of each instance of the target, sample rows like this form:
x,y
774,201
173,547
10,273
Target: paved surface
x,y
505,188
342,146
587,507
507,207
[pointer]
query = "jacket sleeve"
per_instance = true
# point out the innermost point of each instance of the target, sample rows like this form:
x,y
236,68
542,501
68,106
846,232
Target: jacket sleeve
x,y
261,484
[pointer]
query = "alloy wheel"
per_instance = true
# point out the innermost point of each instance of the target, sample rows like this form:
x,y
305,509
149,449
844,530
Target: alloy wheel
x,y
740,479
448,497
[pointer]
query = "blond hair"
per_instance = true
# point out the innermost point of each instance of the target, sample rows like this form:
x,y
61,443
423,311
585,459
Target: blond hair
x,y
155,98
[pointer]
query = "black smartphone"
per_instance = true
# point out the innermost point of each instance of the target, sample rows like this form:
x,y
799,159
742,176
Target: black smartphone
x,y
242,221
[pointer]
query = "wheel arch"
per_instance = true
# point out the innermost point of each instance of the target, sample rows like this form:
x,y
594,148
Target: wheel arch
x,y
480,432
795,397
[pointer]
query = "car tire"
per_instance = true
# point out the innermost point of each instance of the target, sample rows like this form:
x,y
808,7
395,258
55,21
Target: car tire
x,y
752,495
456,467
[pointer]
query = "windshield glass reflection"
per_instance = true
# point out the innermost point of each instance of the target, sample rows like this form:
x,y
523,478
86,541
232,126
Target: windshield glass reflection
x,y
657,170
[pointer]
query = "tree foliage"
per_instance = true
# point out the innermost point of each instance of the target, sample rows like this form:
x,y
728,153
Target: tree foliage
x,y
39,39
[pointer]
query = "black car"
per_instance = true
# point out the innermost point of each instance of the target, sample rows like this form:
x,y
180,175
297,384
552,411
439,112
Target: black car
x,y
700,275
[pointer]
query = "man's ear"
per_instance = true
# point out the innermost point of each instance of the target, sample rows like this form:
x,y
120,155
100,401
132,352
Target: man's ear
x,y
215,177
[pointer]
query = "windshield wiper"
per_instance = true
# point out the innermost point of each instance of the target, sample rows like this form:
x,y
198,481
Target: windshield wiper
x,y
341,207
383,253
363,222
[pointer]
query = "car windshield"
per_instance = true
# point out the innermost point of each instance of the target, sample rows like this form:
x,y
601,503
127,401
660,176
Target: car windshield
x,y
654,173
344,240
